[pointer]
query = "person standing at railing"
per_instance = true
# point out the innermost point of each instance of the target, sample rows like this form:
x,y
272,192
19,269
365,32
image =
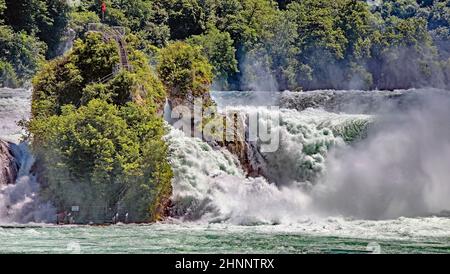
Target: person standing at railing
x,y
103,10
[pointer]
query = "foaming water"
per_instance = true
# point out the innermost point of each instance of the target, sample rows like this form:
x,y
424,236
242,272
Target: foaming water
x,y
246,98
380,166
358,101
15,105
210,186
197,166
400,169
19,202
310,235
331,160
305,138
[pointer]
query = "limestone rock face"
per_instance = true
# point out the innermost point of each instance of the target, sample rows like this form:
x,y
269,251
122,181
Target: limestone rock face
x,y
9,167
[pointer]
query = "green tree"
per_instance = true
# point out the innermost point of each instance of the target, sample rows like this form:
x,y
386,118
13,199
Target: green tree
x,y
248,25
218,47
184,70
322,43
61,81
99,143
355,20
24,14
2,10
45,18
52,29
22,51
105,159
94,58
274,56
404,56
399,8
80,20
246,21
185,17
146,19
77,77
357,23
8,77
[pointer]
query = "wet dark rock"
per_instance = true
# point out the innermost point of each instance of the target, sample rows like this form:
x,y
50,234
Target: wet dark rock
x,y
9,167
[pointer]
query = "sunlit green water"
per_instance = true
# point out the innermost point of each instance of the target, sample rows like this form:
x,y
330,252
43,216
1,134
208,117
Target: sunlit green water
x,y
330,236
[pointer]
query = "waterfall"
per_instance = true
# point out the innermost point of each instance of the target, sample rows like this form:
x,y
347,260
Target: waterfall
x,y
19,202
400,169
388,162
209,184
366,155
304,140
357,101
15,105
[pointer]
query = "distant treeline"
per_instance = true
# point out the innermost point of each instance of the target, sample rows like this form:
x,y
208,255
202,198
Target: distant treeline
x,y
254,44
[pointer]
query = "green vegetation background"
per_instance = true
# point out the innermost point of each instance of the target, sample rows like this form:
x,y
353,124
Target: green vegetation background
x,y
308,44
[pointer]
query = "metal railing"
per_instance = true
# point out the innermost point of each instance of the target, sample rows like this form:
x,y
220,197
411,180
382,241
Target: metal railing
x,y
116,34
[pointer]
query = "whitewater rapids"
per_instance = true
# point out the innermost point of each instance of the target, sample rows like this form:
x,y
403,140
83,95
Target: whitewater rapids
x,y
386,163
19,202
378,155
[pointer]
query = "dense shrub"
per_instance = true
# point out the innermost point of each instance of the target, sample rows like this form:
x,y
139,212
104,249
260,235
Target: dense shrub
x,y
218,47
8,77
22,51
184,70
105,158
99,143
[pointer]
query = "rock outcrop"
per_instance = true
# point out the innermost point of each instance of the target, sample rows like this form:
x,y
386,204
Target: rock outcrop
x,y
233,137
9,167
235,141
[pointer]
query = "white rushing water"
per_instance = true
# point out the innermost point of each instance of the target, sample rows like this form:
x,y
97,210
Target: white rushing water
x,y
15,105
19,202
330,161
210,186
328,164
400,169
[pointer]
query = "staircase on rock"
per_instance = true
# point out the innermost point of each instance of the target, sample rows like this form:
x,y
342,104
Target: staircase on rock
x,y
115,34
